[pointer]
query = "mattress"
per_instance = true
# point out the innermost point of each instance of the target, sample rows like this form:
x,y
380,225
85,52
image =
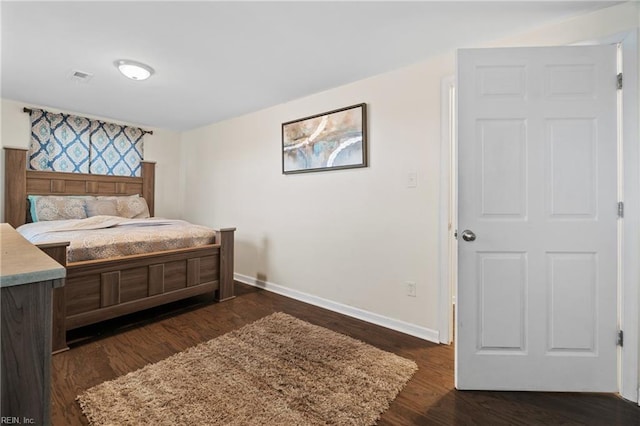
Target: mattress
x,y
106,237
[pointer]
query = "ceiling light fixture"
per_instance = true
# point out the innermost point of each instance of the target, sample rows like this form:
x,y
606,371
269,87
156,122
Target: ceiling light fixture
x,y
134,70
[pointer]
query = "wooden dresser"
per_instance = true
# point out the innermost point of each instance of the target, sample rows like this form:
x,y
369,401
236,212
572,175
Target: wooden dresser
x,y
27,277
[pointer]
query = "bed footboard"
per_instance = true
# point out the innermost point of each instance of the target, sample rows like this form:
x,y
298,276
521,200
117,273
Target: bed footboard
x,y
98,290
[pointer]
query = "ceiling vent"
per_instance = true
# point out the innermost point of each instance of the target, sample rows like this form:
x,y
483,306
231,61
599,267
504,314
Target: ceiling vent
x,y
80,76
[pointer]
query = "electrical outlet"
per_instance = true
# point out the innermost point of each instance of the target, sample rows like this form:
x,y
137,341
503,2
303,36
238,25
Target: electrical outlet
x,y
411,289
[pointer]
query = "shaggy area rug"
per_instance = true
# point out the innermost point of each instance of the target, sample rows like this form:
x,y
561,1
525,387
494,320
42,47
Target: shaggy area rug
x,y
278,370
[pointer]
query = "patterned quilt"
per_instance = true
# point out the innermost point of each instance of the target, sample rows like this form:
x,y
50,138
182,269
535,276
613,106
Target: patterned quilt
x,y
104,237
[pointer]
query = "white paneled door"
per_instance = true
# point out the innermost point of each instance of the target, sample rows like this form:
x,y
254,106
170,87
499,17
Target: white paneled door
x,y
537,293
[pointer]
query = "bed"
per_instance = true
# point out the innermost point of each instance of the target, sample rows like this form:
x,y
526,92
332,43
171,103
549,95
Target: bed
x,y
99,289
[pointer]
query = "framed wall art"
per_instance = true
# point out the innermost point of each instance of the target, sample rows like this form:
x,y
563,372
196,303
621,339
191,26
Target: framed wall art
x,y
332,140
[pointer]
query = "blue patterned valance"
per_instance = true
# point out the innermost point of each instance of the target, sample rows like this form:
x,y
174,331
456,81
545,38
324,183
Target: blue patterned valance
x,y
68,143
116,150
59,142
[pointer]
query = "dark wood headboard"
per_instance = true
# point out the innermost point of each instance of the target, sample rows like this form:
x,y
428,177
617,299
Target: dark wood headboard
x,y
20,182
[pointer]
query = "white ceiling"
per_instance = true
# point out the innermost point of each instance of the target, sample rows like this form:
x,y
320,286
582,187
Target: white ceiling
x,y
217,60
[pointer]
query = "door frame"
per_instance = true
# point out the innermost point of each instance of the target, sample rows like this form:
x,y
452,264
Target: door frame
x,y
630,295
629,288
448,212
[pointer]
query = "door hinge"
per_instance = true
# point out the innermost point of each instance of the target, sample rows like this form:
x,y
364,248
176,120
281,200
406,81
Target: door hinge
x,y
455,234
620,341
620,209
619,77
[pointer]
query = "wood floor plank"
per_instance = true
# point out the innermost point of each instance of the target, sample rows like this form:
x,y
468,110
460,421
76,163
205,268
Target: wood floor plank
x,y
107,350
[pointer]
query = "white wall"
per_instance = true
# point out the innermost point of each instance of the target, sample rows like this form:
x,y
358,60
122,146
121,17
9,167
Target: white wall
x,y
352,236
355,236
163,147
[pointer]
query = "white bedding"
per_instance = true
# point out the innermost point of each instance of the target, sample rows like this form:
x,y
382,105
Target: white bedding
x,y
103,237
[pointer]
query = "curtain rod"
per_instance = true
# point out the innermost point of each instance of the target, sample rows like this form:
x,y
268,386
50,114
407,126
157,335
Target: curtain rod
x,y
144,132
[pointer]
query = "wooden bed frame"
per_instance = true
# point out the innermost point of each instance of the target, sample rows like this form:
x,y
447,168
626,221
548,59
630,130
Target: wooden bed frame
x,y
97,290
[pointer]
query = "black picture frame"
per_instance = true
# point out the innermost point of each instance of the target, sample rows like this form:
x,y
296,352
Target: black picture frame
x,y
332,140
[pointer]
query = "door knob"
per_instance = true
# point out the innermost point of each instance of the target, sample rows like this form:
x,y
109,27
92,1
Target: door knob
x,y
468,235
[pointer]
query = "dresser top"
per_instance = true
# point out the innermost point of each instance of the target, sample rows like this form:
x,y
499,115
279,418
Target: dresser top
x,y
22,263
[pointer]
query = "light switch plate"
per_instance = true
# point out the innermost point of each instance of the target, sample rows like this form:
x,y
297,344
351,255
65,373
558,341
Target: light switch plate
x,y
412,179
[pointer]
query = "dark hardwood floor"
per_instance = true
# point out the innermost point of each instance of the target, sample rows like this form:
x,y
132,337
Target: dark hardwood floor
x,y
105,351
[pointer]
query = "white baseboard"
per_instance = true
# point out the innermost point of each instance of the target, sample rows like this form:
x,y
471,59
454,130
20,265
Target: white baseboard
x,y
393,324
